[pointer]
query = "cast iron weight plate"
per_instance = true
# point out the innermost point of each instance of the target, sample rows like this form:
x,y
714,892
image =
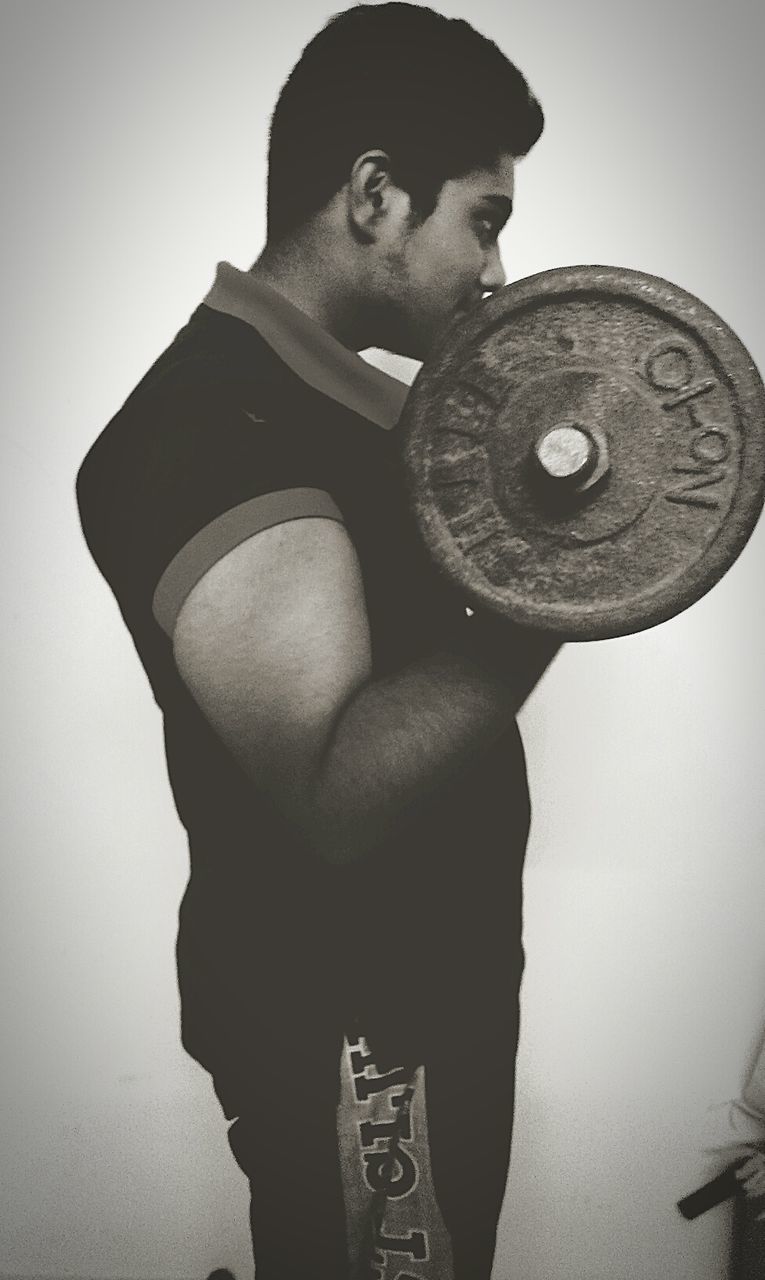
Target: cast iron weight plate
x,y
666,403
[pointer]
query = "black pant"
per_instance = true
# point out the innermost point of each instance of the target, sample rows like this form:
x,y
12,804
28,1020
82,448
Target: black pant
x,y
285,1141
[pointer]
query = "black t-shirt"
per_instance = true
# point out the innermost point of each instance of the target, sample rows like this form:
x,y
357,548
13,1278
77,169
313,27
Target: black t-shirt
x,y
222,437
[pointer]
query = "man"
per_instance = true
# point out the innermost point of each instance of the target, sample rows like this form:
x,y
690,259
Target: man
x,y
340,734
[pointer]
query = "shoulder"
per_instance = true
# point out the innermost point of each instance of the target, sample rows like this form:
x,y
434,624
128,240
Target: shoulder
x,y
201,457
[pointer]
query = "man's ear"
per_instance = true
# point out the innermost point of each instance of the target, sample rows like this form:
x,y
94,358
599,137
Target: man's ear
x,y
372,195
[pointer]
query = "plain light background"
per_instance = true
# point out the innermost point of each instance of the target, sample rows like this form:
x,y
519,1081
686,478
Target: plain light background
x,y
134,159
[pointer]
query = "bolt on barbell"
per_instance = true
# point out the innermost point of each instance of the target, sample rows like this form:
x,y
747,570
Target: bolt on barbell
x,y
570,458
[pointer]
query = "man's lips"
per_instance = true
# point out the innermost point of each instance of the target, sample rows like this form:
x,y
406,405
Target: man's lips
x,y
466,309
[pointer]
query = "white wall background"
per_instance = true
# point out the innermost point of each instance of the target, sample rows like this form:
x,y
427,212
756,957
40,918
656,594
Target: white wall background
x,y
134,157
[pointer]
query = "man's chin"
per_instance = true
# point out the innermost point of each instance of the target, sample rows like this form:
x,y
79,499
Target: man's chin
x,y
450,322
422,344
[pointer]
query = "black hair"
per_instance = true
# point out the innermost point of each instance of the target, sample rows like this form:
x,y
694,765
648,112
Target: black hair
x,y
439,98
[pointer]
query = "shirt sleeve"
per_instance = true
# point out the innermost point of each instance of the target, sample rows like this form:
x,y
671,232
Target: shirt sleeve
x,y
227,531
187,472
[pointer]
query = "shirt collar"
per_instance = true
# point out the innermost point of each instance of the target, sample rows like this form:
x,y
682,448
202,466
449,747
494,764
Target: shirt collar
x,y
312,353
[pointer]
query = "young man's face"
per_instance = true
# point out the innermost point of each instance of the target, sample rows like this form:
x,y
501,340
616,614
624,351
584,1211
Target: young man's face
x,y
442,268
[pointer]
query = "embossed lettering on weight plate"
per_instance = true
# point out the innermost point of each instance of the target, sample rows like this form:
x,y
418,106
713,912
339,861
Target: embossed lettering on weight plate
x,y
669,369
459,474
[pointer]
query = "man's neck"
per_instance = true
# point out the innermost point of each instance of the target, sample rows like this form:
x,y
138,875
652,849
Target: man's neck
x,y
300,275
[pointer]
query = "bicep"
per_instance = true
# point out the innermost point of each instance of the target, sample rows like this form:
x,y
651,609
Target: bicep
x,y
272,642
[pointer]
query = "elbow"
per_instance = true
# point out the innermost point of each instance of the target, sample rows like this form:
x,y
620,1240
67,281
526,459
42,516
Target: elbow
x,y
335,832
337,838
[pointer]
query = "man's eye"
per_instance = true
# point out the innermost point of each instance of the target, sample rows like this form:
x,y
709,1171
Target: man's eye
x,y
487,230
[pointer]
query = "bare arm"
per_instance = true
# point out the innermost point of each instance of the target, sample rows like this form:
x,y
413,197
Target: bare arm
x,y
273,643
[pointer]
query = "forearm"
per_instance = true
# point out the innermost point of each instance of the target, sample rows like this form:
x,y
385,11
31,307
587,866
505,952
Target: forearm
x,y
403,738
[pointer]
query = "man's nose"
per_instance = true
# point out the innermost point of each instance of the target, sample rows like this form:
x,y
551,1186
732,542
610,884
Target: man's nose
x,y
493,275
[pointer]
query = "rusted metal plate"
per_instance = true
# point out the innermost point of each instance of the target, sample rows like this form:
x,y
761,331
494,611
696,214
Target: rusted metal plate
x,y
586,453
